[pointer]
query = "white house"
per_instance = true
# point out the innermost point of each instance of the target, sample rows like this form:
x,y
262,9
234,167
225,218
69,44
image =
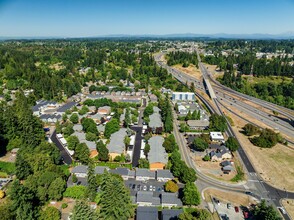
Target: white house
x,y
216,136
185,96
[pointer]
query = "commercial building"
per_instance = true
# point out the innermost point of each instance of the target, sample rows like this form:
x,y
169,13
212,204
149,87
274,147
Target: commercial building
x,y
184,96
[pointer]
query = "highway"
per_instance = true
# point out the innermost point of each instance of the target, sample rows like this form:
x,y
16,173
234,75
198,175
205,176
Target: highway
x,y
279,123
255,184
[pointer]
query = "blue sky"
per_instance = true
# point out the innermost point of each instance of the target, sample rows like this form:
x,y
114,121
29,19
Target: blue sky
x,y
82,18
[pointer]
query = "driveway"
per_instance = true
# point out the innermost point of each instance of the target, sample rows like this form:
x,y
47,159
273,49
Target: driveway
x,y
137,147
64,154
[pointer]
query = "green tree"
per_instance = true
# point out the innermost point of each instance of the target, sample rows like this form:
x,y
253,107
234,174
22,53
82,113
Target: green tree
x,y
72,142
50,213
263,211
103,153
92,183
82,153
232,144
191,194
91,136
199,144
74,178
115,200
146,149
74,118
188,116
22,167
217,123
267,139
83,110
143,163
148,110
89,125
111,127
171,186
56,189
127,120
82,211
170,144
75,192
250,129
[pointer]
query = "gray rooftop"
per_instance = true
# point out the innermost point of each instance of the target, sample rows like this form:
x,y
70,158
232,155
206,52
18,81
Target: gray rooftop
x,y
156,109
101,169
155,120
145,196
168,214
116,144
164,174
144,172
157,152
198,123
171,198
146,213
80,169
120,171
66,107
78,127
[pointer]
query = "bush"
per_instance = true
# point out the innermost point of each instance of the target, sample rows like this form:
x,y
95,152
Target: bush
x,y
171,186
64,205
250,129
267,139
74,178
206,158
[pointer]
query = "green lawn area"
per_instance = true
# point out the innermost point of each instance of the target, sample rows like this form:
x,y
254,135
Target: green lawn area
x,y
267,79
113,165
7,167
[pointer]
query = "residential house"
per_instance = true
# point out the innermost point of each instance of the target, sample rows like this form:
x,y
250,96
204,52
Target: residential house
x,y
145,198
155,122
220,154
143,174
97,118
164,175
116,146
146,213
82,138
80,171
101,169
169,214
170,200
125,173
61,110
50,118
198,124
227,169
157,155
216,136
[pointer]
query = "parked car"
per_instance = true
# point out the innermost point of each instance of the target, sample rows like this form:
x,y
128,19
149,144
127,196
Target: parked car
x,y
154,188
144,187
236,209
229,205
246,214
282,210
150,188
134,186
138,187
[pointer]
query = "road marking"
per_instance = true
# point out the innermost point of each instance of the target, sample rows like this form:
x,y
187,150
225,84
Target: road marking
x,y
253,180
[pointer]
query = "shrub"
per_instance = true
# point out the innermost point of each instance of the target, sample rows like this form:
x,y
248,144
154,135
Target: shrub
x,y
64,205
75,192
171,186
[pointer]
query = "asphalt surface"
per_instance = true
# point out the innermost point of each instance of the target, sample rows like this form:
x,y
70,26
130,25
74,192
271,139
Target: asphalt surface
x,y
263,190
64,154
137,146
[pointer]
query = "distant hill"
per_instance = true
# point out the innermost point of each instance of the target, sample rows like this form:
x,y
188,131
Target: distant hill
x,y
287,35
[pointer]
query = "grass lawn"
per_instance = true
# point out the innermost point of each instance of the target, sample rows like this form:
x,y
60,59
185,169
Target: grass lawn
x,y
267,79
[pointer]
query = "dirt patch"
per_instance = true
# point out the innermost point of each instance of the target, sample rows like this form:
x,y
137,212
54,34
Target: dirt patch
x,y
70,204
213,169
8,158
289,206
190,70
268,161
236,199
215,73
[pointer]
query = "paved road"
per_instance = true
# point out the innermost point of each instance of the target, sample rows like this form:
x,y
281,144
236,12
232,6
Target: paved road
x,y
64,154
262,190
137,146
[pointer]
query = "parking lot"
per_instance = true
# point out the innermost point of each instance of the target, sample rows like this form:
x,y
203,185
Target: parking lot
x,y
152,185
227,211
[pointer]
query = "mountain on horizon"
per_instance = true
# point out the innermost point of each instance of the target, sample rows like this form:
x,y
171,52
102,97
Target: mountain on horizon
x,y
286,35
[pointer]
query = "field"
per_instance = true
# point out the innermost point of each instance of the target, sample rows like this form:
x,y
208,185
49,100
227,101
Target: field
x,y
190,70
275,165
233,197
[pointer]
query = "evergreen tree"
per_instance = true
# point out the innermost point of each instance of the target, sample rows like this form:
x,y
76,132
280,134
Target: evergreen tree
x,y
103,153
82,211
115,200
191,194
92,182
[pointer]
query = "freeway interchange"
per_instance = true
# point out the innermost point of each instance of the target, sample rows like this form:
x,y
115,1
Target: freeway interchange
x,y
255,183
